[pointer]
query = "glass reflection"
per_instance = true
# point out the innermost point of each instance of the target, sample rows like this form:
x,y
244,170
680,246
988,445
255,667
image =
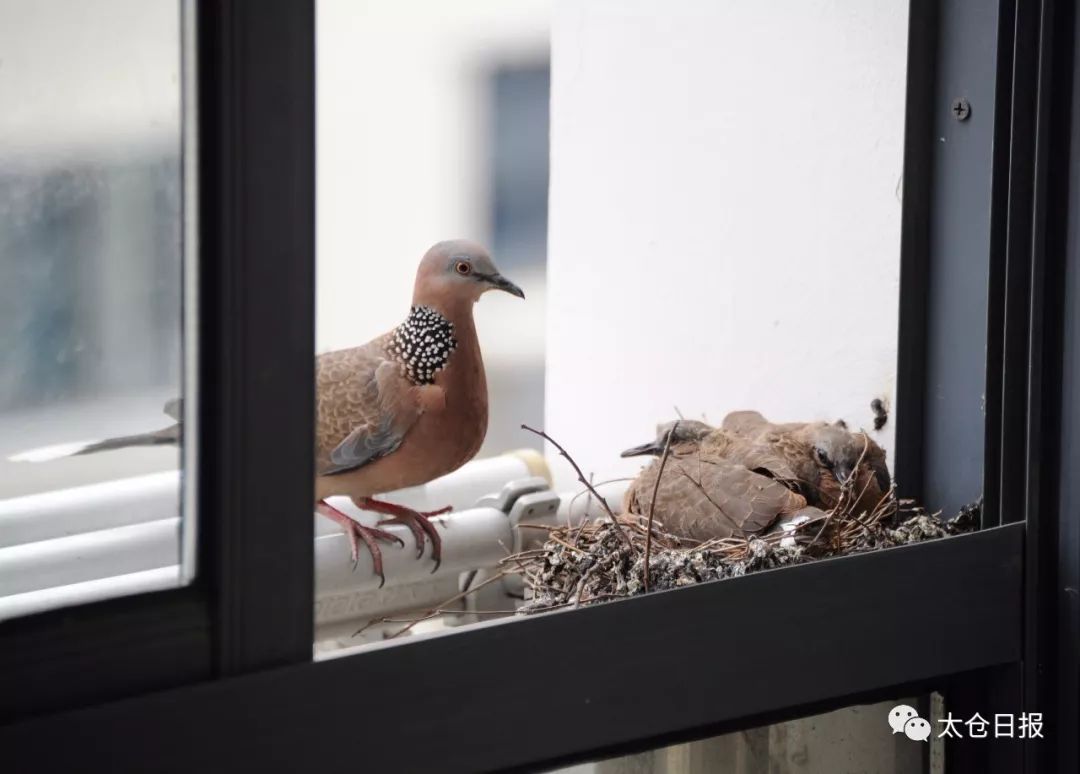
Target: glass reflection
x,y
91,240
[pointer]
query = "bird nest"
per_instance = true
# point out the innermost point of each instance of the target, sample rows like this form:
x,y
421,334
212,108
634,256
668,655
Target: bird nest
x,y
607,559
623,555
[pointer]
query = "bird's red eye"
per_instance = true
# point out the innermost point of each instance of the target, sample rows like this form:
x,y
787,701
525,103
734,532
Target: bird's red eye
x,y
462,267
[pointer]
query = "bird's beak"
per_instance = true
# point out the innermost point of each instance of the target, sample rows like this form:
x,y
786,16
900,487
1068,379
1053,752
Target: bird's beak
x,y
842,474
500,282
646,448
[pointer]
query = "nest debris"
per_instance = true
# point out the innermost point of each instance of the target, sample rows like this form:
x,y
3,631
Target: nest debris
x,y
594,562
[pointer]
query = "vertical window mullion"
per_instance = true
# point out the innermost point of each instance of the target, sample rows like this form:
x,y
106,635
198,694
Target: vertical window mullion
x,y
257,169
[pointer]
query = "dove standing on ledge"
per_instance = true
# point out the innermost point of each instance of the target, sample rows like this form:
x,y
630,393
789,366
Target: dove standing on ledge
x,y
410,405
401,410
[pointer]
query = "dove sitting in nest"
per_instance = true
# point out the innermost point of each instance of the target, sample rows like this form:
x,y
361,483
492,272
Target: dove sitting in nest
x,y
714,485
825,458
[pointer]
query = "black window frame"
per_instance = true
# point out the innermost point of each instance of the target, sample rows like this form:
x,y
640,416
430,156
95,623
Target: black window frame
x,y
219,675
250,604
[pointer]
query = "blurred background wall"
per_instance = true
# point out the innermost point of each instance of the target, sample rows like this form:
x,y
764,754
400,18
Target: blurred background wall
x,y
90,234
725,215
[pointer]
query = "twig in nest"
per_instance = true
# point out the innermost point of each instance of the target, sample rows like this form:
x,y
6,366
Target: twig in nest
x,y
565,544
437,610
588,505
452,611
847,491
587,493
585,579
584,481
588,502
652,503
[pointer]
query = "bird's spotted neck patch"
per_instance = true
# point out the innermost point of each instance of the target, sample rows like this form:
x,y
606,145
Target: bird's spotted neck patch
x,y
423,344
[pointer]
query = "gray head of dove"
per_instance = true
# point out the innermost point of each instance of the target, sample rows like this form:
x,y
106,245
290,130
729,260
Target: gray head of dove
x,y
836,448
680,431
458,270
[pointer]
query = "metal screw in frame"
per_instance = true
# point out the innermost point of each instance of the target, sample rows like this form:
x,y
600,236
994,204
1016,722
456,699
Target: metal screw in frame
x,y
961,109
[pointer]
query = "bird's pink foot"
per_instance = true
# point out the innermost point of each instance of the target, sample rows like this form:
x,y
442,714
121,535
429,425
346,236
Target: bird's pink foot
x,y
358,532
419,522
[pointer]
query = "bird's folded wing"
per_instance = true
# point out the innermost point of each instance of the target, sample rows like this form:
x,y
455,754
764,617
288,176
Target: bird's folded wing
x,y
754,501
702,498
746,423
365,408
752,425
761,458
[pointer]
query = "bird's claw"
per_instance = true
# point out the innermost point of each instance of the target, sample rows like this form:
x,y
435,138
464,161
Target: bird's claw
x,y
370,535
420,524
414,527
358,532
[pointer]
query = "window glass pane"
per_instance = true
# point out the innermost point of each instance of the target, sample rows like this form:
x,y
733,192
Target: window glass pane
x,y
91,243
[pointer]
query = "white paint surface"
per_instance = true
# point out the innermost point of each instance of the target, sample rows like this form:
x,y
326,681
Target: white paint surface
x,y
725,215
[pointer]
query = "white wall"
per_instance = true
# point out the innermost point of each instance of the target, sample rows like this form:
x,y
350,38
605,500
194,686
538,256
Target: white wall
x,y
724,214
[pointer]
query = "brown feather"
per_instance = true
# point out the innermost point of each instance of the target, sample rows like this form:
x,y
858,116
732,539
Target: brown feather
x,y
794,442
361,391
703,495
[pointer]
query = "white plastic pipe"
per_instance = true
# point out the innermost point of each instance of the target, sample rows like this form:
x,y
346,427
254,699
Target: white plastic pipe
x,y
90,556
478,537
72,511
120,528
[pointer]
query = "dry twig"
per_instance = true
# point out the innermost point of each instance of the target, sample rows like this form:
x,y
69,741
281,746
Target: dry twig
x,y
581,478
652,503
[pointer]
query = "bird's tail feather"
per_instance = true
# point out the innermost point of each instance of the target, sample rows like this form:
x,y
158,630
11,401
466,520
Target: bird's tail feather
x,y
168,435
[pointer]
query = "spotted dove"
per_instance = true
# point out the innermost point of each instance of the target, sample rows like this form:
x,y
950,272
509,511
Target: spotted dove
x,y
410,405
714,485
823,456
401,410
